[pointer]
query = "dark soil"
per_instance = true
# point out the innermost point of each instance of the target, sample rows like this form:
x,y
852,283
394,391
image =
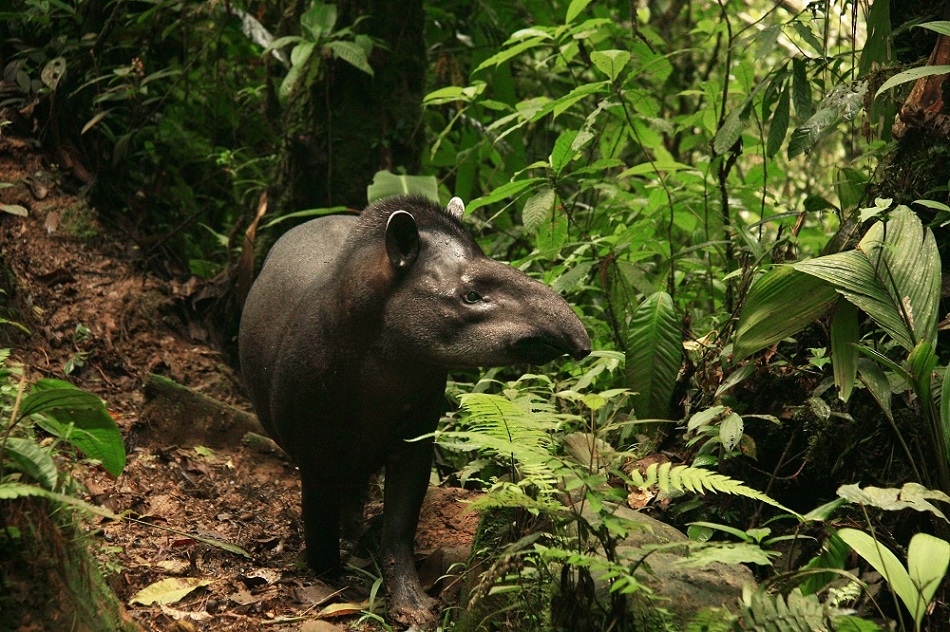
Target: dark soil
x,y
80,288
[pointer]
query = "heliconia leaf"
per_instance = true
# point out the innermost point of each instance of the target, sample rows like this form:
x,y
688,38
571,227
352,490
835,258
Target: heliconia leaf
x,y
780,303
655,351
893,276
844,355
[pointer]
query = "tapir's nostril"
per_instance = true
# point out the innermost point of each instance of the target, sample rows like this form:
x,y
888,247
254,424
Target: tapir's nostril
x,y
580,354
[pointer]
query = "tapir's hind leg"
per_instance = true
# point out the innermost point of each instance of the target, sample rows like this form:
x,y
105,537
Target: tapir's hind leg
x,y
407,478
321,522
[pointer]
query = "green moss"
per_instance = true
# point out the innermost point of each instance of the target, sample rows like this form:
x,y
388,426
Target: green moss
x,y
80,221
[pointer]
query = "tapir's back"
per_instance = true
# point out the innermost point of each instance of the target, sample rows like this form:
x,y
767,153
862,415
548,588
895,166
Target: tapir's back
x,y
304,256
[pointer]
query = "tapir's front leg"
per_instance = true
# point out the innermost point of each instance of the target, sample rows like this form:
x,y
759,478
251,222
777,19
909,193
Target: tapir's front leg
x,y
407,479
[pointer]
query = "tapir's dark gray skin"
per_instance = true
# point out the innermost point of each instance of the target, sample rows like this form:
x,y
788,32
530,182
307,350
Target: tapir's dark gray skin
x,y
346,339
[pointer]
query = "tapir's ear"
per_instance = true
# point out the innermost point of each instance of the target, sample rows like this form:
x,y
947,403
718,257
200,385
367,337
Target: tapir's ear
x,y
402,239
456,207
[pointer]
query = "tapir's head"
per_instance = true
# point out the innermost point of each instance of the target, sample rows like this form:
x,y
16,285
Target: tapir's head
x,y
454,307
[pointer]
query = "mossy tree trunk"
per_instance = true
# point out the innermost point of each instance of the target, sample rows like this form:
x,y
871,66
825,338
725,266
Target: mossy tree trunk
x,y
340,126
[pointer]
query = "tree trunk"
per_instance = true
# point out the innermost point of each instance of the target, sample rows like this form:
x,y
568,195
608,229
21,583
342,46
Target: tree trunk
x,y
340,126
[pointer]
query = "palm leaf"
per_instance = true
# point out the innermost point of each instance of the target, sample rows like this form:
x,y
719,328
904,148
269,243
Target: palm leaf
x,y
780,303
655,350
894,276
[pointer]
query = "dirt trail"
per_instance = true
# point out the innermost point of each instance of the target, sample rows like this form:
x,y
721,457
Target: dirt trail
x,y
92,310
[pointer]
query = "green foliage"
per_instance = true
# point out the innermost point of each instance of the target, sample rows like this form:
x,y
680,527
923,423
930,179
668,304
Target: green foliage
x,y
915,585
654,354
72,416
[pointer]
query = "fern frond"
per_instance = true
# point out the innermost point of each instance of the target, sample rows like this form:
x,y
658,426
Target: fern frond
x,y
512,496
766,613
514,421
667,477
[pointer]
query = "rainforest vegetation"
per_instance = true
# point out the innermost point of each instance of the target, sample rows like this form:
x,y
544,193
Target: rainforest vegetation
x,y
745,201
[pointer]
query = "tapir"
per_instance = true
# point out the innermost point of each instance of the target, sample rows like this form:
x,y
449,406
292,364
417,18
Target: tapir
x,y
346,339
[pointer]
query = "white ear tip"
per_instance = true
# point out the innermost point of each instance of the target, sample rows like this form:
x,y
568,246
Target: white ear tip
x,y
456,207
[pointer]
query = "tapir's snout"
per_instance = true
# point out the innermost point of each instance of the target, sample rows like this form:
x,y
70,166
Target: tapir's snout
x,y
545,346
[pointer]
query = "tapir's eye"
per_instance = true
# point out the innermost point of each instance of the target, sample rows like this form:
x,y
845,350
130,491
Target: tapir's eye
x,y
472,297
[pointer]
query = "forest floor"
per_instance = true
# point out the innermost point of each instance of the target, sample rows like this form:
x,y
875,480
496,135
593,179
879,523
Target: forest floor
x,y
95,313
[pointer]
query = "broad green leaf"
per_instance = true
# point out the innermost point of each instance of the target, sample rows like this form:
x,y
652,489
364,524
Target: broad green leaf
x,y
508,53
32,460
654,167
731,130
911,496
563,151
450,94
922,361
801,89
655,351
884,562
730,431
610,62
779,125
575,9
780,303
850,188
49,395
353,54
844,355
81,419
942,27
509,189
873,377
894,276
538,209
168,591
386,184
911,75
319,20
703,417
927,561
552,235
53,71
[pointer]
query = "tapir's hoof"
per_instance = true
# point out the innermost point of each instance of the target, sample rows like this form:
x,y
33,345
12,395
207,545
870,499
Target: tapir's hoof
x,y
413,609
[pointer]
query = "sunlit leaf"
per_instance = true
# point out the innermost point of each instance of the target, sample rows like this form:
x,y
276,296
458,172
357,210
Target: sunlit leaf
x,y
168,591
